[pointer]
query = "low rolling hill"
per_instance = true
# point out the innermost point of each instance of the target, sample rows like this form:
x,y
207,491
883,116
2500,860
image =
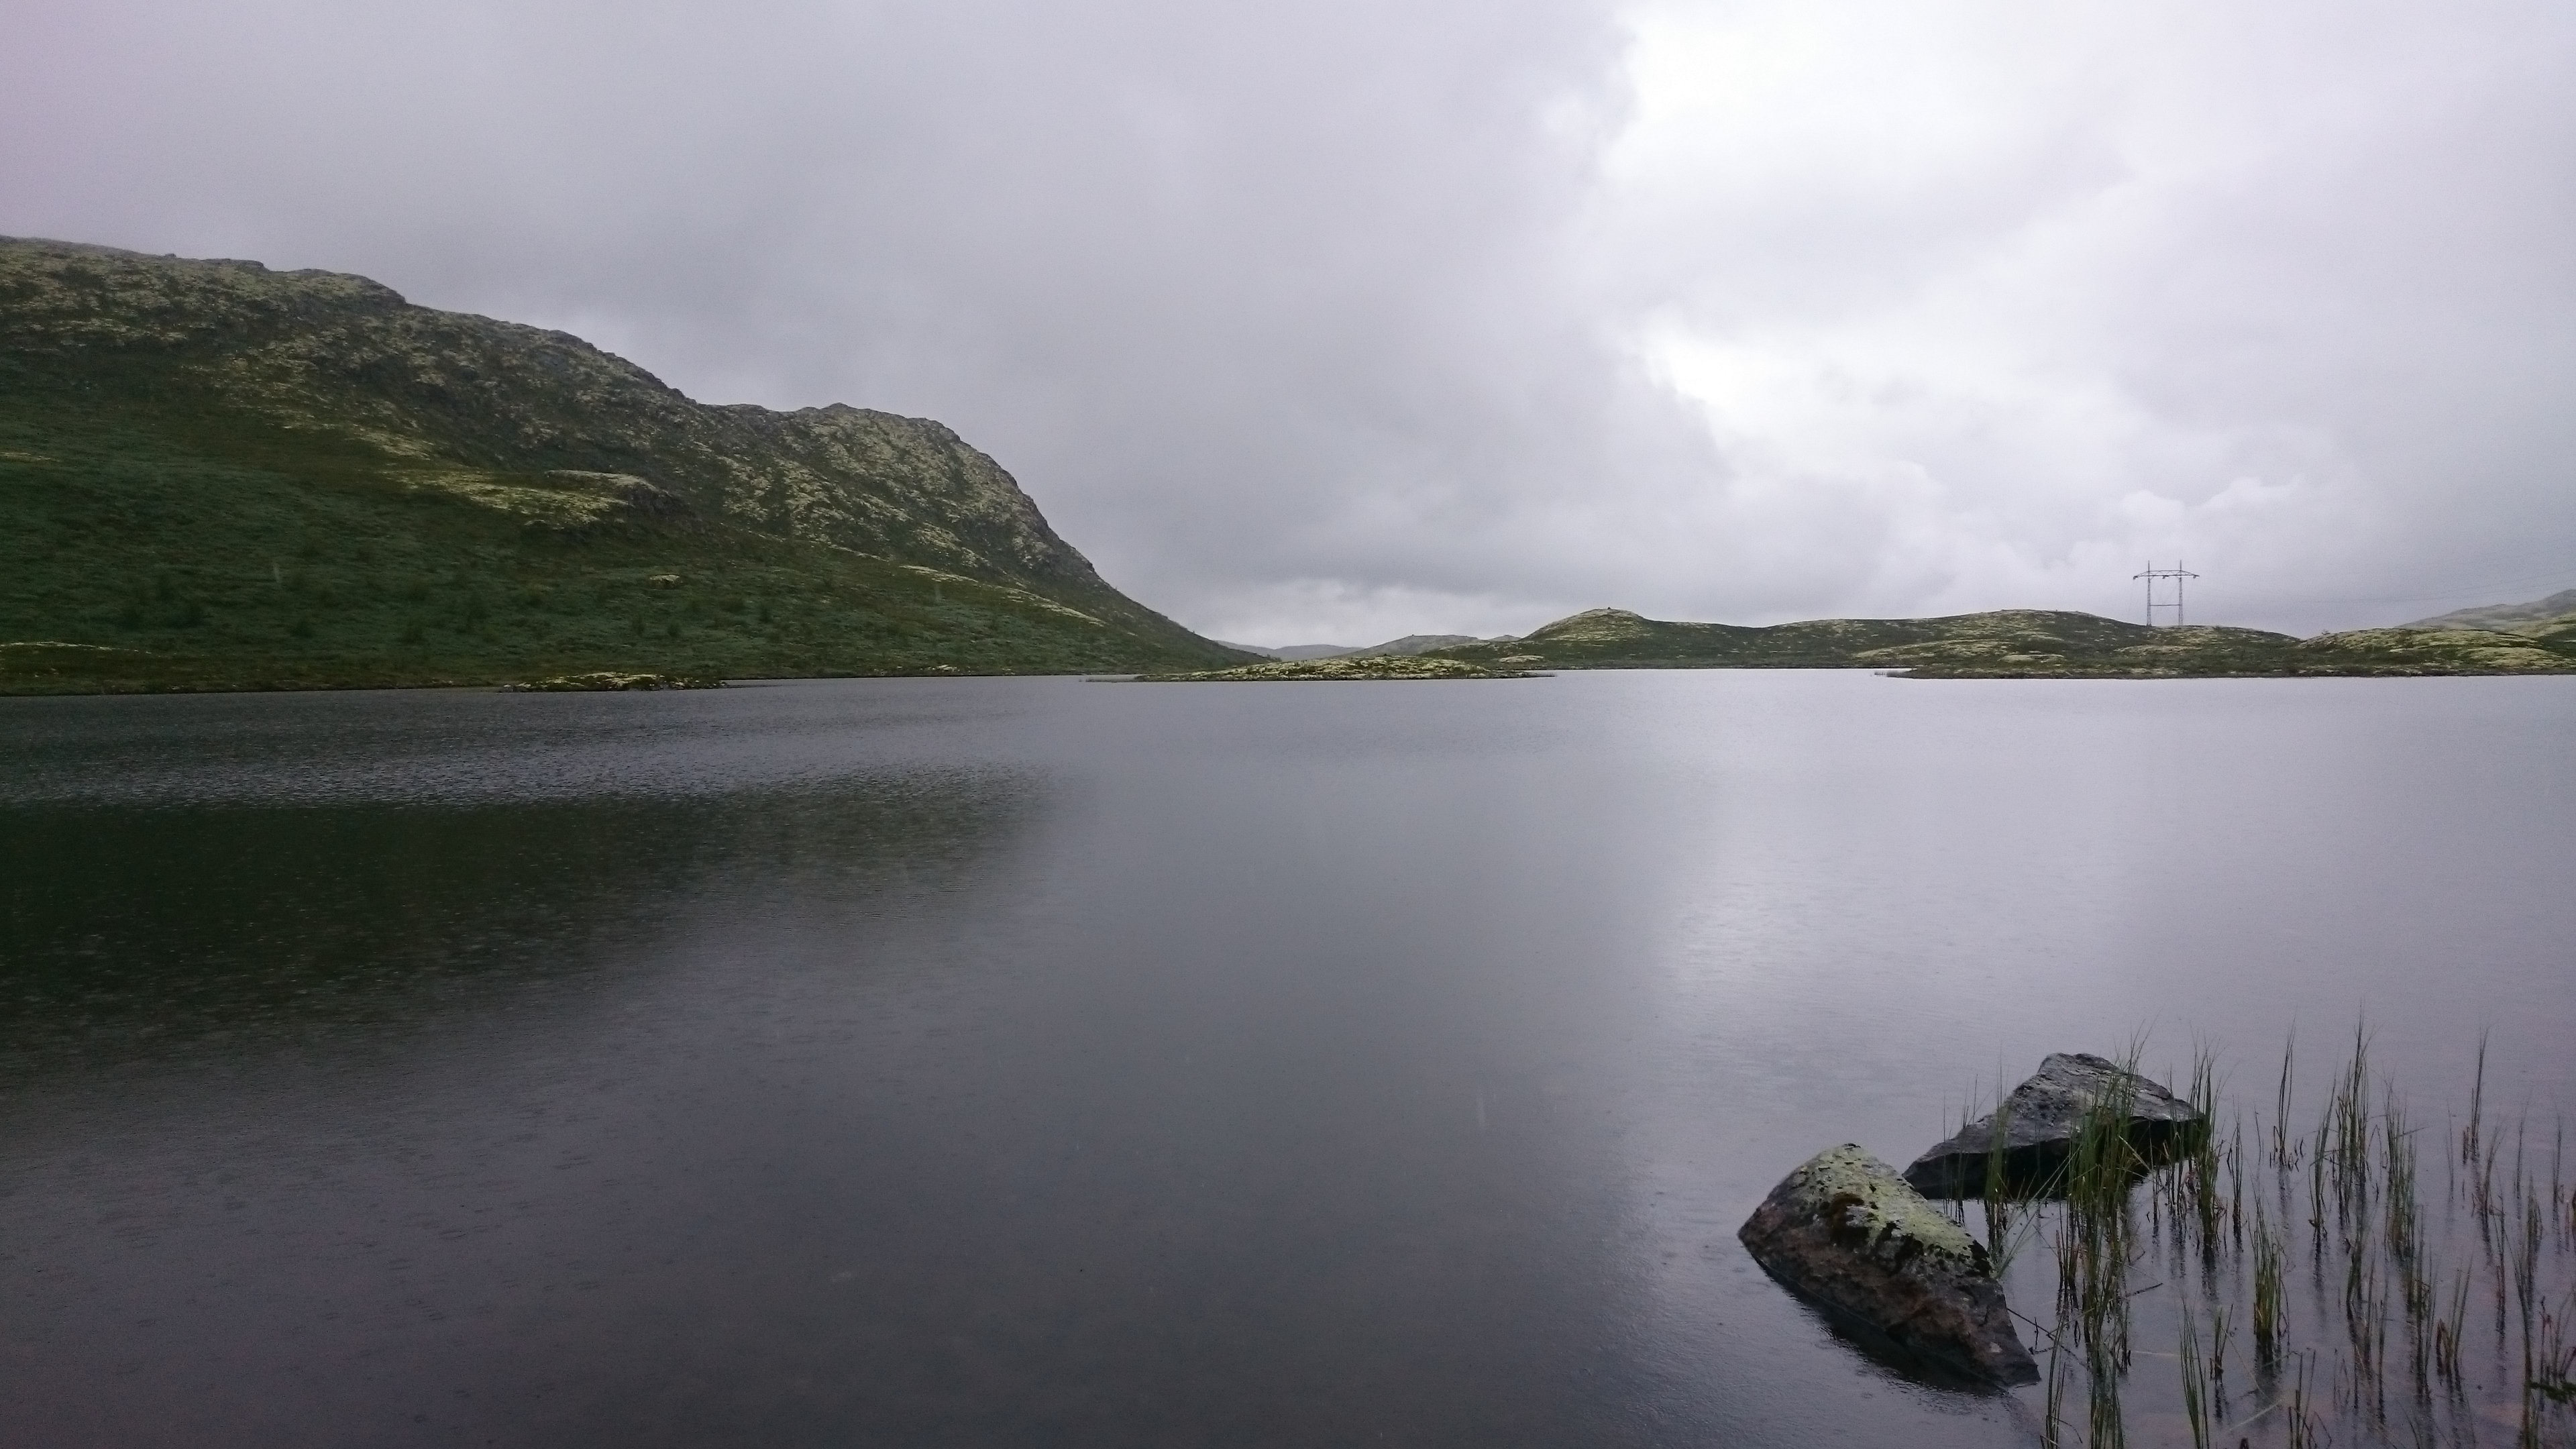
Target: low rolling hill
x,y
1407,646
2015,643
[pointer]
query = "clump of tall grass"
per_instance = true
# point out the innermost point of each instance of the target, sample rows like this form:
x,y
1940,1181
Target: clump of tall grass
x,y
2302,1422
2001,1243
2095,1247
2370,1341
2195,1381
2270,1324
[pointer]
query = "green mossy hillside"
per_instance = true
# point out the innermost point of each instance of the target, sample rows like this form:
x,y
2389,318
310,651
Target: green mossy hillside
x,y
214,476
131,563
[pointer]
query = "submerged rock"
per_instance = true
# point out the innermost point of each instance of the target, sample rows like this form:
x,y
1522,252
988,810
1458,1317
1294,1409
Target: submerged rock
x,y
1845,1230
2040,1122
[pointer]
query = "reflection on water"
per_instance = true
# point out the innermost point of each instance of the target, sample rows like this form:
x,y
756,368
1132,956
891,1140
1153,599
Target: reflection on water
x,y
126,925
985,1061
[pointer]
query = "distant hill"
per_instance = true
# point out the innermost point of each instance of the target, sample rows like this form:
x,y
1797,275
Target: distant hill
x,y
1419,644
2014,643
217,475
1409,644
1302,652
2558,608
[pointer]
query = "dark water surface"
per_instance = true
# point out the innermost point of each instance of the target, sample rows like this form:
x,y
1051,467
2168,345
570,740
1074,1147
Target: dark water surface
x,y
1035,1061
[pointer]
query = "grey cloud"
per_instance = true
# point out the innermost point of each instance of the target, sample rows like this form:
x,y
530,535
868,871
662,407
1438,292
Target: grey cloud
x,y
1343,320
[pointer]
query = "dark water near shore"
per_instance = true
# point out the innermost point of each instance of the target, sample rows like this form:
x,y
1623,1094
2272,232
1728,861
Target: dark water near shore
x,y
1034,1061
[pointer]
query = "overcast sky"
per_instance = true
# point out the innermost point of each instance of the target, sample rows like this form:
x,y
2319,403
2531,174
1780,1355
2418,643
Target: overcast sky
x,y
1331,321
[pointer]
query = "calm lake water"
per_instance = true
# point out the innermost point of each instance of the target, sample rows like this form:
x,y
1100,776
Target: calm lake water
x,y
1039,1061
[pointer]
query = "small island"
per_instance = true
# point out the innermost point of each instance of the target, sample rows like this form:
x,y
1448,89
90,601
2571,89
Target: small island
x,y
609,680
1362,667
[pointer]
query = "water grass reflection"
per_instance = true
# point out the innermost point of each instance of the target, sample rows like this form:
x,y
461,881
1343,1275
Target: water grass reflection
x,y
2382,1305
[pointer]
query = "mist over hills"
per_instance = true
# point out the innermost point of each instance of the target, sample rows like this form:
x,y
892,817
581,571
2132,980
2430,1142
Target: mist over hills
x,y
217,475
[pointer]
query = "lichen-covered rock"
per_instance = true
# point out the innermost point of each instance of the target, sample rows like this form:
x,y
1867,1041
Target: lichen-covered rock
x,y
2040,1122
1845,1230
1851,1234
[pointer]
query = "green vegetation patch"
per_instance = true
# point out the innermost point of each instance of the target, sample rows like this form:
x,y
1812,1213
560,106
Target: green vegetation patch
x,y
134,560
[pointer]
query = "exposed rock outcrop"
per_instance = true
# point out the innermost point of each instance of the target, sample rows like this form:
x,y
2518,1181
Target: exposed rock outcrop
x,y
2040,1121
1846,1231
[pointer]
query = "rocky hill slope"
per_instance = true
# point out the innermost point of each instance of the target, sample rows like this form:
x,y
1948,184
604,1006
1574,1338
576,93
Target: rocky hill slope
x,y
2017,643
213,474
2538,616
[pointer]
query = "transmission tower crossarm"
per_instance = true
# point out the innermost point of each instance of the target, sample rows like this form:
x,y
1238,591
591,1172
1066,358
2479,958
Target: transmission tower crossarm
x,y
2152,575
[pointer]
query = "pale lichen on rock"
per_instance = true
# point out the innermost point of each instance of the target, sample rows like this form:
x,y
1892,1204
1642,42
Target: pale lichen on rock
x,y
1844,1230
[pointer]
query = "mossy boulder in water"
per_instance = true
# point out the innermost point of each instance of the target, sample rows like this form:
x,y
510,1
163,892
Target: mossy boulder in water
x,y
1846,1231
2041,1120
